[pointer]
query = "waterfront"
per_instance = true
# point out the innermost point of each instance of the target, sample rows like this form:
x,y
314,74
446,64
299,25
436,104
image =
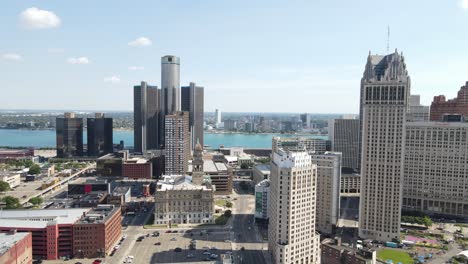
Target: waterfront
x,y
46,138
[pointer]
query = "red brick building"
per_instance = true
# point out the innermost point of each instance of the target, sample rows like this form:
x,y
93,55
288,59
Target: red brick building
x,y
16,248
137,168
458,105
53,230
332,252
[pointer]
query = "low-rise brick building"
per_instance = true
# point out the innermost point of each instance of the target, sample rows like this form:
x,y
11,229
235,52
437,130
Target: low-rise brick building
x,y
16,247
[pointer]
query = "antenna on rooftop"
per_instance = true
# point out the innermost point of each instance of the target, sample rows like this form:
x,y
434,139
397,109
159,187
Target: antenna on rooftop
x,y
388,39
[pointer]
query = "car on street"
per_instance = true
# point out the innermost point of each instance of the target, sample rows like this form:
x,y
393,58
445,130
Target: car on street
x,y
173,239
190,256
168,231
206,253
157,243
178,249
213,256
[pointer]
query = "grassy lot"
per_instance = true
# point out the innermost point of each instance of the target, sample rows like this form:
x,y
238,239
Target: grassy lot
x,y
395,255
221,220
220,202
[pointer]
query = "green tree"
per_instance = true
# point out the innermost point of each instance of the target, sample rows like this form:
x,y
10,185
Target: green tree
x,y
36,200
228,204
11,202
34,169
244,166
227,213
4,186
427,221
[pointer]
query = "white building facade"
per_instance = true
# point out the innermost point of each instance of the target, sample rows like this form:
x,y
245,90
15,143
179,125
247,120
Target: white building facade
x,y
291,230
385,89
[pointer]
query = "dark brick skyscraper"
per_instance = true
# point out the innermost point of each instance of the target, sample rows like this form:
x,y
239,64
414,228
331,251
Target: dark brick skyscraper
x,y
192,102
99,135
69,136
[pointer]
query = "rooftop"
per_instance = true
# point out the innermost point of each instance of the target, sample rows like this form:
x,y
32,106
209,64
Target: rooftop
x,y
264,168
178,182
8,240
39,218
136,161
99,214
210,167
120,190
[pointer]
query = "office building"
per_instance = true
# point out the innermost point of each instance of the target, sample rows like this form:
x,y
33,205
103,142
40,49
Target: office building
x,y
305,118
344,138
15,154
170,85
350,184
435,168
262,193
84,186
217,118
293,184
327,191
111,164
193,103
100,139
311,145
137,168
458,105
146,129
97,232
333,252
16,248
177,144
69,131
385,89
179,200
12,178
230,124
261,172
416,111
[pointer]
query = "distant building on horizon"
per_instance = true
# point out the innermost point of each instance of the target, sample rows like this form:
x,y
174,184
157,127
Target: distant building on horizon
x,y
217,118
192,101
147,134
69,132
458,105
177,149
100,138
385,90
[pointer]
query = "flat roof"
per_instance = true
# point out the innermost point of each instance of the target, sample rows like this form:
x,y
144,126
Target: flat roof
x,y
264,168
40,217
98,214
120,190
8,240
178,182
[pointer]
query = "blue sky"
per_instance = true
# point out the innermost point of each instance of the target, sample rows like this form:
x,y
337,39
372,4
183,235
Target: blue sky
x,y
263,56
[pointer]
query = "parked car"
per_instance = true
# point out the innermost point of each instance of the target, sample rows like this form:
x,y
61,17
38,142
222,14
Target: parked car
x,y
178,249
157,243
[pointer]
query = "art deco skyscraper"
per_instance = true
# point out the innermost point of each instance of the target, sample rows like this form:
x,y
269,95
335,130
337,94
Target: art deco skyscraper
x,y
291,230
385,90
69,136
145,114
192,102
99,135
177,143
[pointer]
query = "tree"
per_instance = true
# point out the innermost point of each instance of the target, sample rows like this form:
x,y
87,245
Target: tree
x,y
4,186
227,213
36,200
244,166
228,204
34,169
11,202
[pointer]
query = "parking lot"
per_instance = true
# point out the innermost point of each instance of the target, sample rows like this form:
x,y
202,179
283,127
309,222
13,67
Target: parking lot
x,y
147,252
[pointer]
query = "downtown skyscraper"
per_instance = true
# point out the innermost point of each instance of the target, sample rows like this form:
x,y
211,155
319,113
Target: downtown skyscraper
x,y
147,134
99,135
192,97
385,90
177,143
69,132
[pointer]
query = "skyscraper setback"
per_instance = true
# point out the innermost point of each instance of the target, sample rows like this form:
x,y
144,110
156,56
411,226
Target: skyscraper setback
x,y
192,101
385,89
147,134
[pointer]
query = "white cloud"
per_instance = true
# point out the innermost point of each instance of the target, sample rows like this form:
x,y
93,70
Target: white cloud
x,y
80,60
35,18
140,42
464,4
56,50
136,68
112,79
12,57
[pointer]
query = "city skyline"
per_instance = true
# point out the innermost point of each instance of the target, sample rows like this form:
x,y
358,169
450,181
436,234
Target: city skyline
x,y
231,58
